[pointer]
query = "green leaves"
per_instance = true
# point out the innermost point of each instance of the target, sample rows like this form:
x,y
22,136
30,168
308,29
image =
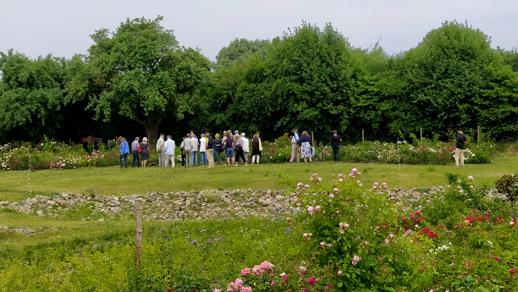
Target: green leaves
x,y
140,73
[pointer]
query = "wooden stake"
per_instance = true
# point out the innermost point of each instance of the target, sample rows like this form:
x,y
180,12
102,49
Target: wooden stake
x,y
478,133
138,235
363,135
421,133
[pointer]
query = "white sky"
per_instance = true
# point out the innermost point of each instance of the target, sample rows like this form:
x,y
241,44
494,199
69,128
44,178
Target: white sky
x,y
63,27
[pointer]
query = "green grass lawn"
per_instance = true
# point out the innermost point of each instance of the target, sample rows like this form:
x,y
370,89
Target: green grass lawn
x,y
72,255
16,185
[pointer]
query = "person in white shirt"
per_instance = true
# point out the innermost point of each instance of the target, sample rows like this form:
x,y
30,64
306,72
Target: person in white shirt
x,y
203,148
169,149
295,146
160,150
187,149
195,144
246,146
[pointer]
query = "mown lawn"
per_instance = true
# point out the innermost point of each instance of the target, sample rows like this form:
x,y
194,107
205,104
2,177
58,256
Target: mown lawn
x,y
16,185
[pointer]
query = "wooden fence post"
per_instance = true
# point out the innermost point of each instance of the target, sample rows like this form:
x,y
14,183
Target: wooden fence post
x,y
478,133
138,235
420,133
363,135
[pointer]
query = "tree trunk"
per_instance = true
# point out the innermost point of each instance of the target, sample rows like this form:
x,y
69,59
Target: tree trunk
x,y
152,132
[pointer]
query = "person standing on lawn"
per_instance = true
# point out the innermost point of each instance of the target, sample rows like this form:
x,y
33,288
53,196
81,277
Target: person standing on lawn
x,y
182,151
306,149
459,148
169,150
218,145
229,145
124,151
187,148
160,150
203,148
135,149
295,146
195,144
246,146
336,140
144,152
210,149
239,150
257,147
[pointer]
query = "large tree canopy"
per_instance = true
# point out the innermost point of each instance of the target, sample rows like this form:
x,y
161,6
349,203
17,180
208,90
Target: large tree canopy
x,y
141,73
449,77
138,78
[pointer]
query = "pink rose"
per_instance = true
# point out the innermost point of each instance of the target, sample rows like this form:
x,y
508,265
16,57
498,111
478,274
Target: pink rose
x,y
311,281
257,270
513,271
246,271
238,282
246,289
284,278
266,266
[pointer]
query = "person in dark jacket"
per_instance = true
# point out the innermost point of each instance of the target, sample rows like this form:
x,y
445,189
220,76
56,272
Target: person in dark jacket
x,y
218,146
335,144
459,148
257,148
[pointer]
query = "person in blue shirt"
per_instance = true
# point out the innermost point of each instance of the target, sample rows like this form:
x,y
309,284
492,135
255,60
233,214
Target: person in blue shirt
x,y
124,151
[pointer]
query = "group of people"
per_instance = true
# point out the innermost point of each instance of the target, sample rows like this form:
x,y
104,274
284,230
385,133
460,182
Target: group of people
x,y
139,150
302,146
236,147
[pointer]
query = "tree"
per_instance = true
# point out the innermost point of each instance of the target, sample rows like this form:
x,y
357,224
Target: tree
x,y
310,72
239,49
141,73
446,77
510,57
32,94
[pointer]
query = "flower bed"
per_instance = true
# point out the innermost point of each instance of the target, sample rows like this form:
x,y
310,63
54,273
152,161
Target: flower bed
x,y
54,155
420,152
462,238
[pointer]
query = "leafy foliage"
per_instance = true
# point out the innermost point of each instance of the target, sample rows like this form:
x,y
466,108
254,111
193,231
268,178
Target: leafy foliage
x,y
138,77
141,73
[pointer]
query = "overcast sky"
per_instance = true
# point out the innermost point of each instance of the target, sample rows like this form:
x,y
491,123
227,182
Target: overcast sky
x,y
63,27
